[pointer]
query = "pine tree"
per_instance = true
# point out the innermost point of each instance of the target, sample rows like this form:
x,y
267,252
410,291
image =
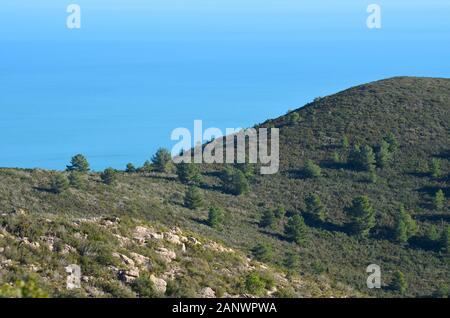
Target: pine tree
x,y
439,200
108,176
130,168
146,167
312,170
367,158
234,181
392,142
405,226
162,160
383,155
193,198
188,172
315,207
361,216
345,144
280,211
445,240
215,217
59,183
399,282
267,219
76,180
296,230
262,252
435,169
79,163
291,261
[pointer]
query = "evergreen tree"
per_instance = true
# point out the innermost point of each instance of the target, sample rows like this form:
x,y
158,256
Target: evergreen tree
x,y
315,207
247,169
59,183
383,155
345,144
76,180
392,142
291,261
435,168
280,212
262,252
432,233
367,158
294,117
296,230
193,198
188,172
445,239
130,168
361,216
147,167
405,226
399,282
79,163
312,170
162,160
267,219
215,217
439,200
108,176
234,181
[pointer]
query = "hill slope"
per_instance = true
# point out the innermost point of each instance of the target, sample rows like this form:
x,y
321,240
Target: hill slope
x,y
415,110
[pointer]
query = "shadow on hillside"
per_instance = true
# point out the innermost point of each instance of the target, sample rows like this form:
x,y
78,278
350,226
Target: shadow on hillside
x,y
327,226
275,235
330,164
418,174
444,154
431,190
433,217
42,189
211,187
199,221
423,243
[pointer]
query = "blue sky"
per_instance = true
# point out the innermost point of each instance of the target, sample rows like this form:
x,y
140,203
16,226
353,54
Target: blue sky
x,y
116,88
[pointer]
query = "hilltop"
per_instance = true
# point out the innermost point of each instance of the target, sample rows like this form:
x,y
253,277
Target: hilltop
x,y
413,112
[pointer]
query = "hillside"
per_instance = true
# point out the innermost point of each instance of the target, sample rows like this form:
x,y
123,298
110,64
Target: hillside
x,y
416,111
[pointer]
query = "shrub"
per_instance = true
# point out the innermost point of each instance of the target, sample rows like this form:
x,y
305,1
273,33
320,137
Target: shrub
x,y
188,172
109,176
311,170
254,284
262,252
76,180
59,183
144,287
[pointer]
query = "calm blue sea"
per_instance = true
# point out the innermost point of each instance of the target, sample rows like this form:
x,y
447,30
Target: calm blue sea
x,y
116,88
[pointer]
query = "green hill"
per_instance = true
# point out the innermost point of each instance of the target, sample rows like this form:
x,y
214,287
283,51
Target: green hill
x,y
412,115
